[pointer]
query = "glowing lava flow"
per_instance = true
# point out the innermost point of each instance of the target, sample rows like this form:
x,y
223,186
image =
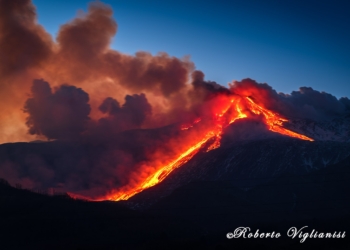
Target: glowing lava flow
x,y
229,111
274,121
162,173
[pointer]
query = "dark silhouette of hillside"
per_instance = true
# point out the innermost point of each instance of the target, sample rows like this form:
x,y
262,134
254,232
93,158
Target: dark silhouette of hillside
x,y
195,216
35,221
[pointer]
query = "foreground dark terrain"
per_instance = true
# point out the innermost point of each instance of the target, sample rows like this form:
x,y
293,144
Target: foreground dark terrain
x,y
194,215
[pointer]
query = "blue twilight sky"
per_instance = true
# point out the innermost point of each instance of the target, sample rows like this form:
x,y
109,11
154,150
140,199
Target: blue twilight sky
x,y
285,43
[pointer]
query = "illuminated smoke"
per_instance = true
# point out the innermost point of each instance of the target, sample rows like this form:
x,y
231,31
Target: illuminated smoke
x,y
59,115
305,103
130,115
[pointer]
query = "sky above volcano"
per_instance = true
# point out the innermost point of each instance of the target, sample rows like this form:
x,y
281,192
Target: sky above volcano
x,y
287,44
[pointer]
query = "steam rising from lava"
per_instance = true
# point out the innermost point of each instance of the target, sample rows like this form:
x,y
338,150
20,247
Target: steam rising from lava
x,y
129,120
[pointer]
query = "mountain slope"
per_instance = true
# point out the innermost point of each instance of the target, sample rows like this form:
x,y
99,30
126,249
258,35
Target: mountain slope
x,y
246,164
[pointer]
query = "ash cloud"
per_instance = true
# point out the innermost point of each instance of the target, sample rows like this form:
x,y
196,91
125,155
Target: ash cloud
x,y
89,157
81,55
306,103
206,89
315,104
84,54
62,114
130,115
23,43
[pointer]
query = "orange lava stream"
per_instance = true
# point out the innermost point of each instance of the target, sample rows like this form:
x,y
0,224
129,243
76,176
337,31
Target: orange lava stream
x,y
239,108
162,173
274,121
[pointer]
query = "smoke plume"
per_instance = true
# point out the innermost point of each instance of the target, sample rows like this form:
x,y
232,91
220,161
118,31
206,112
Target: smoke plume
x,y
305,103
130,115
59,115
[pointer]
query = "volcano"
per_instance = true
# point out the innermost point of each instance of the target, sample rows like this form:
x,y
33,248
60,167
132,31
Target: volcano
x,y
247,152
112,124
94,139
